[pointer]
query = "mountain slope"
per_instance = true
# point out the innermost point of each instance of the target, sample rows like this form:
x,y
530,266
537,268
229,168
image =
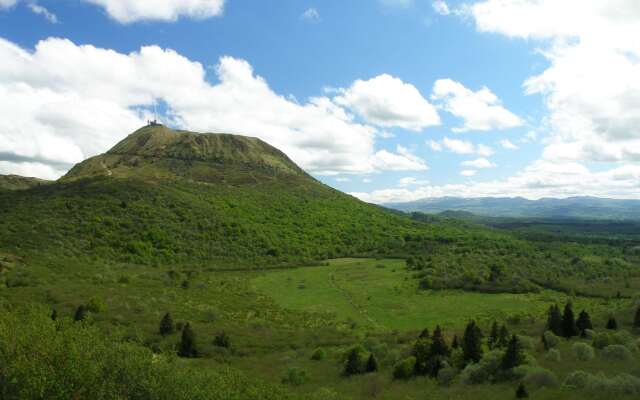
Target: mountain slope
x,y
573,207
163,196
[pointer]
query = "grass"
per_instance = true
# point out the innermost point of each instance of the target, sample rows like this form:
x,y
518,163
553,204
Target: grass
x,y
379,294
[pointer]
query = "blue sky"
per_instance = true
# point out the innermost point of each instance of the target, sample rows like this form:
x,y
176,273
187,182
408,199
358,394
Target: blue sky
x,y
417,100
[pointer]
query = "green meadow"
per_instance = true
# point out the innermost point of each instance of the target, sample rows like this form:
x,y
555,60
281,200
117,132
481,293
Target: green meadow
x,y
379,294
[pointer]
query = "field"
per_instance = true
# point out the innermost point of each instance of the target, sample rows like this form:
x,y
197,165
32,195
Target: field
x,y
378,294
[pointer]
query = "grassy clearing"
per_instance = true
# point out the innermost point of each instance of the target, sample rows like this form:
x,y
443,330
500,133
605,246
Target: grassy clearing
x,y
380,294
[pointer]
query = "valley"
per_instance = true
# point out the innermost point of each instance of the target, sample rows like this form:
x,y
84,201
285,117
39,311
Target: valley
x,y
229,273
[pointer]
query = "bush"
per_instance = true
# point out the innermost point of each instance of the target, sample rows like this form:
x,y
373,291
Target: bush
x,y
538,377
526,342
601,340
553,355
485,371
447,375
616,352
295,377
96,305
319,355
405,368
589,334
623,384
56,360
583,351
551,339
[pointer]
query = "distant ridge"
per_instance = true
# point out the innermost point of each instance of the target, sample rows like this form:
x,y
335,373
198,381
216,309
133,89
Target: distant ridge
x,y
15,182
583,207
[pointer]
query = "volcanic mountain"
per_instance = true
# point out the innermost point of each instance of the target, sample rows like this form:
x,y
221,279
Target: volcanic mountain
x,y
167,196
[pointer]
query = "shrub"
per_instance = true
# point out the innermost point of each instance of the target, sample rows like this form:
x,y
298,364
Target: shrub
x,y
538,377
484,371
553,355
617,352
222,340
318,355
45,359
446,375
601,340
96,305
526,342
404,369
623,384
295,377
551,339
583,351
589,334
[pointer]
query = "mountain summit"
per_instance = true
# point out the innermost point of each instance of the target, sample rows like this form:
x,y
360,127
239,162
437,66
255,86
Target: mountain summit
x,y
156,151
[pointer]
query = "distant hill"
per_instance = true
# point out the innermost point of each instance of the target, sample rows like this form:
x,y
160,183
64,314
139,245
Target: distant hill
x,y
570,208
15,182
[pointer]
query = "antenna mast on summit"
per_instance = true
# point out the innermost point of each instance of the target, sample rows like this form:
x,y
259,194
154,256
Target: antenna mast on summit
x,y
155,115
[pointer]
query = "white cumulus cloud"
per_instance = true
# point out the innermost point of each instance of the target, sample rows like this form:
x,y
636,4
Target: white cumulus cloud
x,y
387,101
441,7
69,102
128,11
478,163
480,111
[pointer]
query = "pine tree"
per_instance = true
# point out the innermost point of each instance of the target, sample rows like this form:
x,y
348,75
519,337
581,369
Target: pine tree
x,y
568,322
372,364
421,352
554,320
54,315
439,345
492,341
503,337
81,313
472,343
455,343
222,340
612,324
584,322
188,347
514,356
521,392
545,343
424,334
167,326
354,362
636,320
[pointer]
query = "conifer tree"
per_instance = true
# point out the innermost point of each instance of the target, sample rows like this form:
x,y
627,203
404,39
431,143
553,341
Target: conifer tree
x,y
568,322
54,315
492,341
222,340
554,320
424,334
521,392
612,324
503,337
514,355
584,322
167,327
421,352
439,345
472,343
372,364
354,362
636,319
81,313
455,343
188,347
545,343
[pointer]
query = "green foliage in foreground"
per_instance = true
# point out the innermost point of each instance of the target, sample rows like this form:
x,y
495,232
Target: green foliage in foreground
x,y
45,359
